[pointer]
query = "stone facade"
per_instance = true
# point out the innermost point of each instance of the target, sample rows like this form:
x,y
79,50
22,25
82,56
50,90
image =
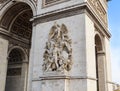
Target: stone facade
x,y
49,45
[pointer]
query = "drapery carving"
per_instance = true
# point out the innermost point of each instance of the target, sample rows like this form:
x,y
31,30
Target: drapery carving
x,y
58,50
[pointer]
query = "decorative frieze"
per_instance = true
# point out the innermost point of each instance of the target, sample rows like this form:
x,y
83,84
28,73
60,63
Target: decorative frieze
x,y
2,1
58,50
51,2
99,9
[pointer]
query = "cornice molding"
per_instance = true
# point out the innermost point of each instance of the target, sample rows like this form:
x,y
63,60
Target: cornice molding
x,y
12,37
58,11
64,77
47,3
97,6
97,20
70,11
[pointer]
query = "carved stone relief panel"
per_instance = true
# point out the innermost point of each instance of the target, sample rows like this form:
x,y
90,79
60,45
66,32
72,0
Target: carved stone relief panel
x,y
58,50
99,9
52,2
2,1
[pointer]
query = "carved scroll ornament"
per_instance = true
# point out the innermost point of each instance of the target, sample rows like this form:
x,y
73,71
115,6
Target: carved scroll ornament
x,y
58,51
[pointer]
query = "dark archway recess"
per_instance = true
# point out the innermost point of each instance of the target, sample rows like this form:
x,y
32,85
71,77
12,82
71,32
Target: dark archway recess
x,y
16,22
98,43
100,62
15,60
22,26
98,47
12,12
14,70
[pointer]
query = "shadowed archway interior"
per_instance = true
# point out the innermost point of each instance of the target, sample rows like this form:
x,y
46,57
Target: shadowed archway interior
x,y
16,22
100,62
14,72
98,43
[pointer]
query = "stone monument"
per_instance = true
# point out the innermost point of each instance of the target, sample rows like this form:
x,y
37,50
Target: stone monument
x,y
54,45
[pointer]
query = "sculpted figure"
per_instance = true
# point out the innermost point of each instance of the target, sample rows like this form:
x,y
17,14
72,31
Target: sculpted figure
x,y
58,51
55,32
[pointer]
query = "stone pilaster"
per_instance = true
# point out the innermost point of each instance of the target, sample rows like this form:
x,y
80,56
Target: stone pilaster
x,y
101,71
3,62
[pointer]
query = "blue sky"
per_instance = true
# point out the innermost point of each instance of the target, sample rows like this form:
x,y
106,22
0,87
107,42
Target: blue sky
x,y
114,28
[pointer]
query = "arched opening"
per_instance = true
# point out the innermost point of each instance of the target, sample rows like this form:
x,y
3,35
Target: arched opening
x,y
16,22
14,71
98,43
100,69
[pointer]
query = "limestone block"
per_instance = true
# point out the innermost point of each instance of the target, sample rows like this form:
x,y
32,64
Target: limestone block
x,y
91,85
36,86
53,85
78,85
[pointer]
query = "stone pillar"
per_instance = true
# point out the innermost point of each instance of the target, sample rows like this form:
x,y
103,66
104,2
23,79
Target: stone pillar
x,y
54,66
31,58
3,63
101,71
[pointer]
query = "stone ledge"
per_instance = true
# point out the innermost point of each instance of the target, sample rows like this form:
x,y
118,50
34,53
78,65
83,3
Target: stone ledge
x,y
63,77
